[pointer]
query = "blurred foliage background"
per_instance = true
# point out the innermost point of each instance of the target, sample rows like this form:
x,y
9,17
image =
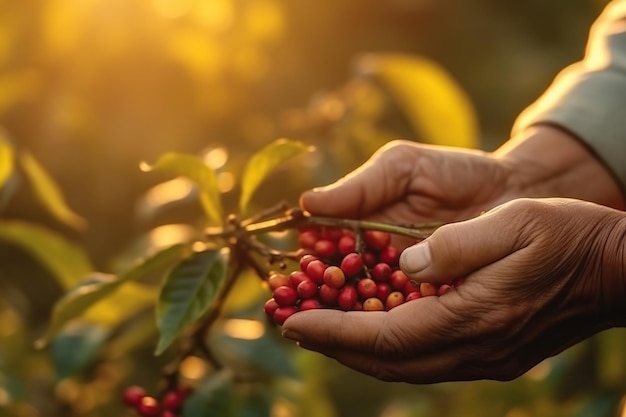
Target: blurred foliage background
x,y
91,88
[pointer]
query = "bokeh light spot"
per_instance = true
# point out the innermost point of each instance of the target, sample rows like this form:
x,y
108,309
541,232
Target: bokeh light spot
x,y
172,9
244,329
216,157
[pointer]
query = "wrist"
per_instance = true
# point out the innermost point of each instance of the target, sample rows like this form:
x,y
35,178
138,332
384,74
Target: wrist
x,y
546,161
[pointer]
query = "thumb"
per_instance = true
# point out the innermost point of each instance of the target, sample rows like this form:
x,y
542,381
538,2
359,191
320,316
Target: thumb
x,y
456,250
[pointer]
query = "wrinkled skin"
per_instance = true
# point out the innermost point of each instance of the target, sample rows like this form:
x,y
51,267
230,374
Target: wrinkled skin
x,y
541,274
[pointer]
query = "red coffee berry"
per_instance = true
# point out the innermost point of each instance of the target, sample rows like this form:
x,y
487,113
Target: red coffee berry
x,y
307,289
308,238
398,280
148,407
382,290
373,304
168,413
369,259
444,288
285,296
328,295
172,401
358,306
351,264
133,395
412,296
376,239
325,248
283,313
381,272
296,277
411,286
366,288
394,299
310,304
347,297
331,233
276,280
315,270
427,289
334,277
346,245
390,255
270,307
459,281
306,260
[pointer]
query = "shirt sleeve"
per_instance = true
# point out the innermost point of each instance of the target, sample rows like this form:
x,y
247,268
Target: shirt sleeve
x,y
588,98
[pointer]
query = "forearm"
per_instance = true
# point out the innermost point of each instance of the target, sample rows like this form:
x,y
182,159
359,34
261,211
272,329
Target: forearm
x,y
550,162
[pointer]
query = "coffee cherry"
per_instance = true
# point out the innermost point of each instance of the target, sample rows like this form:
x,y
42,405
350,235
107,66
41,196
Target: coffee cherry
x,y
334,277
285,296
315,270
283,313
390,255
331,233
382,290
296,277
381,272
168,413
325,248
427,289
373,304
148,407
347,297
307,239
376,239
310,304
366,288
133,395
328,295
444,288
346,245
398,280
270,307
306,260
351,264
411,286
369,259
307,289
394,299
412,296
276,280
172,401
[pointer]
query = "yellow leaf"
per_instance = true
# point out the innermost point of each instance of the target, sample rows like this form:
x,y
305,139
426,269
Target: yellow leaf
x,y
437,107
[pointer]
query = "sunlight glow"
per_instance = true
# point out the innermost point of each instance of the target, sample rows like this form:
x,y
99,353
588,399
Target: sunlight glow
x,y
193,367
244,329
215,15
170,234
216,157
169,191
172,9
225,181
540,371
623,411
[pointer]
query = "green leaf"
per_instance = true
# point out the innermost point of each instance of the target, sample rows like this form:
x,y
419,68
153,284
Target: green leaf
x,y
48,193
439,110
96,286
214,398
268,354
194,169
264,162
188,292
7,162
66,261
75,348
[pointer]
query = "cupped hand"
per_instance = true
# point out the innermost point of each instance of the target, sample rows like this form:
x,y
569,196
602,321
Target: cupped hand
x,y
540,276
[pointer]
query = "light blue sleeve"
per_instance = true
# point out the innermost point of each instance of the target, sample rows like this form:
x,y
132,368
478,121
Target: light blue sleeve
x,y
588,98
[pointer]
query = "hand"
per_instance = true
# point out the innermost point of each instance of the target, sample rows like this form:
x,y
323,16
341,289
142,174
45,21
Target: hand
x,y
540,276
406,182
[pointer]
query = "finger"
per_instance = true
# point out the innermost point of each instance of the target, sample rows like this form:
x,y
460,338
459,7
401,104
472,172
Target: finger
x,y
383,179
414,327
456,250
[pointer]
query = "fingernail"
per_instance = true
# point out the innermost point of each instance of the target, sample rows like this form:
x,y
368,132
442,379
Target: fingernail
x,y
415,258
292,335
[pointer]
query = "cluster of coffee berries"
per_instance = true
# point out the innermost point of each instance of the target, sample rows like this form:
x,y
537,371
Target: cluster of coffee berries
x,y
334,273
170,405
